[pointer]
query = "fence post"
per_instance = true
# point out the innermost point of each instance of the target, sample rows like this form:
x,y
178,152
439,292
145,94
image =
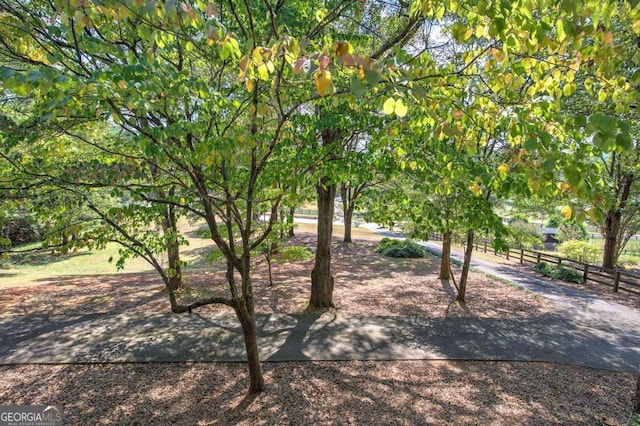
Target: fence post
x,y
559,261
616,282
521,255
585,275
508,250
538,253
485,246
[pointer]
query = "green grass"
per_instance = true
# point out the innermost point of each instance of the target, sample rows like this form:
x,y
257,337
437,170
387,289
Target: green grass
x,y
32,268
632,247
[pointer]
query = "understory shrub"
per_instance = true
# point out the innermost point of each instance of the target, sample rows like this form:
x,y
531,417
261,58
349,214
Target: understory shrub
x,y
400,248
293,254
19,230
541,268
559,272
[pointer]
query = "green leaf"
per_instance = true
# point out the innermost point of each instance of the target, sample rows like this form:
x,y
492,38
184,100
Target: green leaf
x,y
603,122
624,142
357,87
372,77
569,89
562,35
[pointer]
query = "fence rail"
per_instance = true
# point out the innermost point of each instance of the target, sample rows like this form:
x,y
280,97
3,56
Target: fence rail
x,y
618,279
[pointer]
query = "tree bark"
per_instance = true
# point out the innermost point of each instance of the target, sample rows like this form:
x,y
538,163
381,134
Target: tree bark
x,y
250,334
445,261
169,225
612,223
465,266
321,278
611,233
244,307
348,221
292,212
348,212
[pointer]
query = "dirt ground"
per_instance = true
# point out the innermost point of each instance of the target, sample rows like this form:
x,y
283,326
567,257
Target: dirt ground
x,y
354,392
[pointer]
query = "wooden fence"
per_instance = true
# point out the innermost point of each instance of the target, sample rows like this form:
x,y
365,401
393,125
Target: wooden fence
x,y
618,279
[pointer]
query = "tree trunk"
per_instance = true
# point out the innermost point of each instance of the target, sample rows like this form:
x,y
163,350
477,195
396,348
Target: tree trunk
x,y
348,220
348,212
612,223
611,233
250,334
321,278
245,312
445,261
267,257
466,265
169,226
292,212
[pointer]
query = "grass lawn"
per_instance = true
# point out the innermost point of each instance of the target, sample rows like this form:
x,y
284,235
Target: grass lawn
x,y
37,267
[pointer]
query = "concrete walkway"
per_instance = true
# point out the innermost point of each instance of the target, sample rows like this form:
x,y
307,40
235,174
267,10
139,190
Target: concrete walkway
x,y
579,329
196,337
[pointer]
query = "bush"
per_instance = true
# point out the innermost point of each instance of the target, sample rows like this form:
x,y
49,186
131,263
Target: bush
x,y
400,248
628,261
293,254
541,268
579,250
559,272
566,274
19,230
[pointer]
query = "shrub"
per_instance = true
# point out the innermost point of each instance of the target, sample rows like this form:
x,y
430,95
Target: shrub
x,y
400,248
628,261
19,230
566,274
558,272
293,254
541,268
579,250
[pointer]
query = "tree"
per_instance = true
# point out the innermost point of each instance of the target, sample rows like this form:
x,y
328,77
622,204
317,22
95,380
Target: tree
x,y
208,95
366,28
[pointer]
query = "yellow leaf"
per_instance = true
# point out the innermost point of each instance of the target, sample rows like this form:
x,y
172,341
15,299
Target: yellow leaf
x,y
263,71
475,188
566,212
503,169
389,106
257,55
249,85
323,81
5,256
341,48
401,109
